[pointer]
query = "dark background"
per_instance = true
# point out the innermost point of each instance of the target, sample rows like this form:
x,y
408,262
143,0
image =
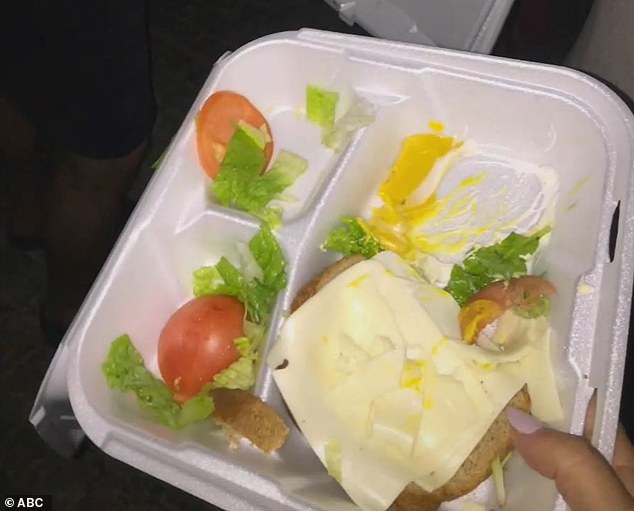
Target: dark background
x,y
187,36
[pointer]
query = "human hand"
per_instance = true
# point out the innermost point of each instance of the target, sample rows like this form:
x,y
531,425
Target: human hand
x,y
583,476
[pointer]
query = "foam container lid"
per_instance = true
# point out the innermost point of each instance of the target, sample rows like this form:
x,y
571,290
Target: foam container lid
x,y
541,114
470,26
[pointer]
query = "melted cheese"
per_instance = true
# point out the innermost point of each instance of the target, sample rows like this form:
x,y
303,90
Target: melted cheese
x,y
376,369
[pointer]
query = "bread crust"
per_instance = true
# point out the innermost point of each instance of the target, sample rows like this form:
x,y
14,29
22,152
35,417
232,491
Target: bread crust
x,y
496,442
244,415
314,285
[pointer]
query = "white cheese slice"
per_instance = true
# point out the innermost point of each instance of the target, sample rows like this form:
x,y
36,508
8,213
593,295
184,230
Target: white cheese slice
x,y
378,381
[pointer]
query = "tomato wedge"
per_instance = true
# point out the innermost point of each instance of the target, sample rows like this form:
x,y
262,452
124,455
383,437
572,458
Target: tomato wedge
x,y
527,296
216,123
522,292
196,343
476,315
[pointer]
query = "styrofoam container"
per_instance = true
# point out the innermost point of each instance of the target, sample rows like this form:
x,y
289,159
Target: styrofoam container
x,y
456,24
540,114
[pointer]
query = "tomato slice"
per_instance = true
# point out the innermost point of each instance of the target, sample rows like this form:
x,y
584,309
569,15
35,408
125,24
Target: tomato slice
x,y
475,315
216,122
196,343
528,296
522,292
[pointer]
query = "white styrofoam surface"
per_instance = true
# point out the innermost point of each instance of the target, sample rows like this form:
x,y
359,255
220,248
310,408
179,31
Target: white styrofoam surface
x,y
540,114
470,26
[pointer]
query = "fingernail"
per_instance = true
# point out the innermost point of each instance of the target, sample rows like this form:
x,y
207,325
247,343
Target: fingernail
x,y
522,422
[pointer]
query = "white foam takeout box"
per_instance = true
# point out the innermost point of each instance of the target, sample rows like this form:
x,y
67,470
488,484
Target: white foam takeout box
x,y
541,114
471,26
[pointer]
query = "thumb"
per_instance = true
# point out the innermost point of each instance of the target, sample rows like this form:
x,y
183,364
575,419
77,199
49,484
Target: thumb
x,y
584,478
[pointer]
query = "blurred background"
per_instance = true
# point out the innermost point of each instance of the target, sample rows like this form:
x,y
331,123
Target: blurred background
x,y
186,38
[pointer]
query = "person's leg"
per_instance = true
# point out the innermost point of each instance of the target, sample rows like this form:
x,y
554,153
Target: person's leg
x,y
86,209
86,89
108,109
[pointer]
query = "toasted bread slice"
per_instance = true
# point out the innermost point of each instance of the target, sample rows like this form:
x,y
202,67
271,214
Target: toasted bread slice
x,y
244,415
323,278
496,442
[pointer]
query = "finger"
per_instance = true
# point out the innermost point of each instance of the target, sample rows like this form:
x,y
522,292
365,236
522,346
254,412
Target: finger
x,y
582,475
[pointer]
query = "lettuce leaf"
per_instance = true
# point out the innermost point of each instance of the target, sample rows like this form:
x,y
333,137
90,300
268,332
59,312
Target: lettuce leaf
x,y
263,189
125,371
321,106
242,163
359,115
239,182
257,294
352,237
259,136
242,373
486,265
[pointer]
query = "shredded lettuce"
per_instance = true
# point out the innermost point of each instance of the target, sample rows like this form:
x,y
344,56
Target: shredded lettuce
x,y
352,237
260,137
321,106
486,265
241,374
125,371
262,190
258,295
541,307
498,479
359,115
242,163
239,182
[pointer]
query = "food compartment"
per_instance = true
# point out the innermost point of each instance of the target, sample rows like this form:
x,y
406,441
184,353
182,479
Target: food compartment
x,y
274,78
177,228
151,279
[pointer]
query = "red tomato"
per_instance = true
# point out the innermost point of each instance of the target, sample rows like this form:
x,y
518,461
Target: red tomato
x,y
216,122
521,292
475,315
197,343
525,295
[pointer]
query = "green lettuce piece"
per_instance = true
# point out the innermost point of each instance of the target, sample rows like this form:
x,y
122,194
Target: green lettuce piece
x,y
258,295
206,281
486,265
352,237
125,371
260,137
242,373
359,115
321,106
239,182
242,163
268,255
222,279
158,161
540,308
263,189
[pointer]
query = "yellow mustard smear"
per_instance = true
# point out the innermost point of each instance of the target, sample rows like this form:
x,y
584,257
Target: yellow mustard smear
x,y
413,375
436,126
410,226
418,155
356,282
